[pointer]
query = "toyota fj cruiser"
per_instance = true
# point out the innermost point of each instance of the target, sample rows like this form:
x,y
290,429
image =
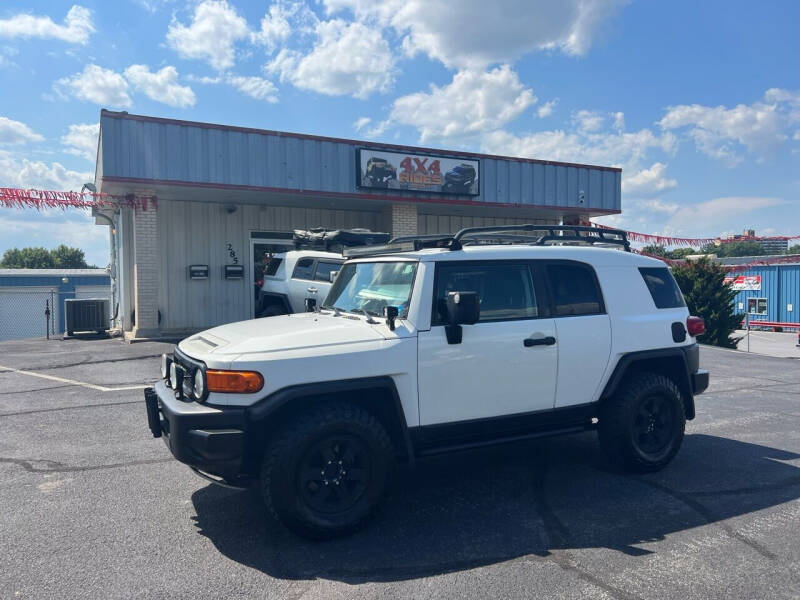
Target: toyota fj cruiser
x,y
435,344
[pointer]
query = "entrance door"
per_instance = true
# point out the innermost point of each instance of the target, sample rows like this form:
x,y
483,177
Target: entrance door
x,y
493,371
263,244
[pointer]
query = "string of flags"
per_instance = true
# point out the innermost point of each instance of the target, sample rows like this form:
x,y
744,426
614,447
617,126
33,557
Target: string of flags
x,y
43,199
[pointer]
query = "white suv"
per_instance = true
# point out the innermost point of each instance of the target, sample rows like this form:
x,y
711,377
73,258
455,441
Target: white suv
x,y
483,338
291,278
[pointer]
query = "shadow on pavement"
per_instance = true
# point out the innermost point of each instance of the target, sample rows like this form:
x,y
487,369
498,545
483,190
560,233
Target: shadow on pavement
x,y
482,507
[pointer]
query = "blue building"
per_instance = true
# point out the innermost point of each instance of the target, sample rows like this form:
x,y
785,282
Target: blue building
x,y
26,293
767,292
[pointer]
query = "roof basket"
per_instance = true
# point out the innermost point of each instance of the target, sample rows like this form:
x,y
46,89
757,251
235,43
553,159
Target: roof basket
x,y
502,234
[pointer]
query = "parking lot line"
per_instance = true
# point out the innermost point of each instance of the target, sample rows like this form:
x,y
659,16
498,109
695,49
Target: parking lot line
x,y
91,386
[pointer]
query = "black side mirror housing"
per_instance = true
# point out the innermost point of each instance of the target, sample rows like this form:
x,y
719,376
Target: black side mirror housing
x,y
463,308
390,313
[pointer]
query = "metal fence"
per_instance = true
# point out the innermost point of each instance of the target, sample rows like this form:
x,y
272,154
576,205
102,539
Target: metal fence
x,y
29,312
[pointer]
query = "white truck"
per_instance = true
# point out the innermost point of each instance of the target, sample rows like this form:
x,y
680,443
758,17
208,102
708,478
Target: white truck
x,y
433,345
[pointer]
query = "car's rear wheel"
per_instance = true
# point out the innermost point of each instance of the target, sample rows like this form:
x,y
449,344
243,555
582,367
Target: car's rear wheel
x,y
326,472
641,428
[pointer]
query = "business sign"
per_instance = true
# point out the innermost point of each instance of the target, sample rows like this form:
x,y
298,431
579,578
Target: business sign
x,y
742,283
379,169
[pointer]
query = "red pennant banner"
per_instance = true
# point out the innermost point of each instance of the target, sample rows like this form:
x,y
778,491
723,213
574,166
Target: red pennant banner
x,y
42,199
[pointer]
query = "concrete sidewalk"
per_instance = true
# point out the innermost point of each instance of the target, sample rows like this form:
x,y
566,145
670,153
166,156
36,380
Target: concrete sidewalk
x,y
782,345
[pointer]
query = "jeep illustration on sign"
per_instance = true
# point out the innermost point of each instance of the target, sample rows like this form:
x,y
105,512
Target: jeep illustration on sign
x,y
418,173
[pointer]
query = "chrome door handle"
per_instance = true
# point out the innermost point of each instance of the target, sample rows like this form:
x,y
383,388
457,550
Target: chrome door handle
x,y
313,290
545,341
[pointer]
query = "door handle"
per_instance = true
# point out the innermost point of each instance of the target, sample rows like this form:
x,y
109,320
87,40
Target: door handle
x,y
313,290
545,341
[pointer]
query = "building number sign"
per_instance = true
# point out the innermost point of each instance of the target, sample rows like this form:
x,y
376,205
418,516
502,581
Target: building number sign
x,y
232,253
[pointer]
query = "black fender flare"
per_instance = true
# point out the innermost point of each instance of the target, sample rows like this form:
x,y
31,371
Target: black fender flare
x,y
681,353
262,409
282,299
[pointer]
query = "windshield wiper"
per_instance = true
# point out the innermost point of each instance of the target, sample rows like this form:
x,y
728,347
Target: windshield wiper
x,y
366,313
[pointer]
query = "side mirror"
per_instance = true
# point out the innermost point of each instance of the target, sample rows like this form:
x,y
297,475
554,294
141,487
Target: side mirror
x,y
390,313
332,275
463,308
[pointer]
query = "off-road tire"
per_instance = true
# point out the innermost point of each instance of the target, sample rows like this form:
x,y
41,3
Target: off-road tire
x,y
286,461
620,420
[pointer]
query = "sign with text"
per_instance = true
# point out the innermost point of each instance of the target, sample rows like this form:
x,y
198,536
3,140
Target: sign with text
x,y
379,169
742,283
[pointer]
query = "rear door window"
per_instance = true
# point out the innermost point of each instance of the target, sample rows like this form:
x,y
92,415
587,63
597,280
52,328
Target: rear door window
x,y
574,289
663,287
304,269
324,270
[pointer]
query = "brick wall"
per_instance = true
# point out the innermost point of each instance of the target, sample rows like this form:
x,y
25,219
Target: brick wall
x,y
403,219
145,270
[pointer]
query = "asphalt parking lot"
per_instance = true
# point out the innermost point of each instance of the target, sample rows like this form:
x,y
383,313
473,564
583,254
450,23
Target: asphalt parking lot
x,y
94,507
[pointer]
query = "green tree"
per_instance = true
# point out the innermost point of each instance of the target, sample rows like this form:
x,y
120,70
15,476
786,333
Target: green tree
x,y
655,250
793,249
27,258
727,249
65,257
62,257
701,282
681,253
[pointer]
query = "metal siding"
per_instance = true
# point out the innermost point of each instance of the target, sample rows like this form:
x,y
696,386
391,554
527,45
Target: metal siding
x,y
180,152
790,293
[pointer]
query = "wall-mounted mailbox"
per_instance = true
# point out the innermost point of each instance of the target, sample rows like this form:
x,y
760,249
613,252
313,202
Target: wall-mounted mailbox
x,y
234,271
198,271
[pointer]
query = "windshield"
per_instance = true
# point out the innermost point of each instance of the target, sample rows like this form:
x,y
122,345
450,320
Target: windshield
x,y
369,287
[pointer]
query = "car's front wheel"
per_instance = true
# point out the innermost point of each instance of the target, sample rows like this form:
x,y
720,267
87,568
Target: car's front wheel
x,y
641,428
326,472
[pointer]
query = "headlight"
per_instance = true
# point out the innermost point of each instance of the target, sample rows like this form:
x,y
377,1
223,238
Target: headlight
x,y
165,362
173,376
199,384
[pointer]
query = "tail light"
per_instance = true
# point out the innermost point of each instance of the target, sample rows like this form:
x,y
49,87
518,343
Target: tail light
x,y
234,382
695,326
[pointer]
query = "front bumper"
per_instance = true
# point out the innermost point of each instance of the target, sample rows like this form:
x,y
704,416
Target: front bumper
x,y
207,438
699,381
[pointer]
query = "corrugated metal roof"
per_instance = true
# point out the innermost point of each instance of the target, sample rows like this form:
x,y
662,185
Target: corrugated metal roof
x,y
138,149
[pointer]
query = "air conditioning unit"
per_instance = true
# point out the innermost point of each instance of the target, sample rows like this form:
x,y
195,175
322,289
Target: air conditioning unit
x,y
87,314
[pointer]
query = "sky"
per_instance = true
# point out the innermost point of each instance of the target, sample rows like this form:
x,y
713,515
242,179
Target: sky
x,y
697,102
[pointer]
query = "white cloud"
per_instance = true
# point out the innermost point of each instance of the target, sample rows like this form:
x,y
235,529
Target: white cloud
x,y
473,33
15,132
98,85
648,182
255,87
588,120
348,59
721,133
24,173
474,102
81,140
281,21
361,123
161,86
76,28
212,34
546,109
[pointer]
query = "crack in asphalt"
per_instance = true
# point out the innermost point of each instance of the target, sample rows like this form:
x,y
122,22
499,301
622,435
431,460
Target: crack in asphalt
x,y
60,408
29,465
709,516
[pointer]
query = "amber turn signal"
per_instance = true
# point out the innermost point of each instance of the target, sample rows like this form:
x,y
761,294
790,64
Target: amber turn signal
x,y
234,382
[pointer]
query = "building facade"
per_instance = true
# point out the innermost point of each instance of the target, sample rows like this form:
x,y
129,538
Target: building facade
x,y
214,195
767,292
25,294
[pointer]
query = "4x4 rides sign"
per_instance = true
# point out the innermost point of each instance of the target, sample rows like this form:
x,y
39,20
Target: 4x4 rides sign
x,y
384,170
742,283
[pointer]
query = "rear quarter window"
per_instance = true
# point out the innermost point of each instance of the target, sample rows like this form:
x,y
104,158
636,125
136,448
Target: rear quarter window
x,y
663,287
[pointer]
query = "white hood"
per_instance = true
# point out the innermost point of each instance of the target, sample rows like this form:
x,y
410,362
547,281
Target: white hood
x,y
288,332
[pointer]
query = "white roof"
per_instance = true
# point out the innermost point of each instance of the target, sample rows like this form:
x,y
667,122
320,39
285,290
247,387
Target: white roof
x,y
588,254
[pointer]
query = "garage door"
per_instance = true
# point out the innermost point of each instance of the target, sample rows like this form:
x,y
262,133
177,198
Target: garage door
x,y
93,291
22,312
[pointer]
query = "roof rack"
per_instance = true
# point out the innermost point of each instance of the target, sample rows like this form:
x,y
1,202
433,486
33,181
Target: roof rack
x,y
551,234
